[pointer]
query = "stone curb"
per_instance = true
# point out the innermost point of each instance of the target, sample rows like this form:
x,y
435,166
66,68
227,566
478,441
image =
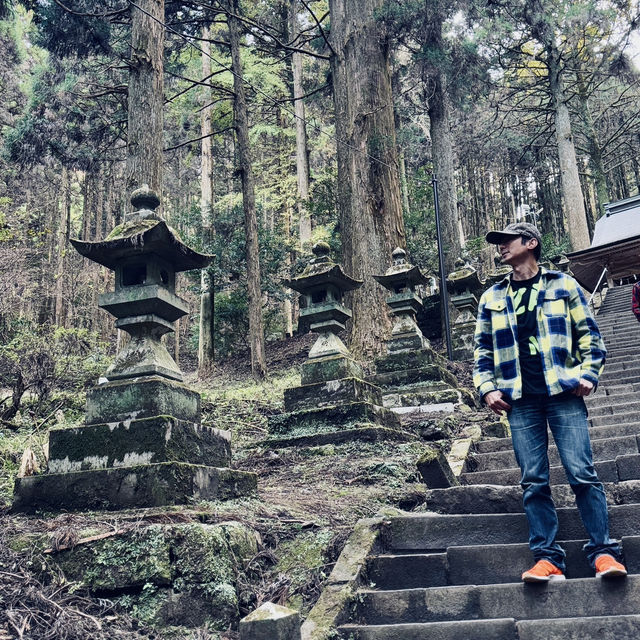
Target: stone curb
x,y
333,606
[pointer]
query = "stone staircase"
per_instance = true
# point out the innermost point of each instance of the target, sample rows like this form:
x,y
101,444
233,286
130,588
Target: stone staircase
x,y
454,572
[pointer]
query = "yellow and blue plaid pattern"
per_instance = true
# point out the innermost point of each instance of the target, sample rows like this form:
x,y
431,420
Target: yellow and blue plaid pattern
x,y
570,343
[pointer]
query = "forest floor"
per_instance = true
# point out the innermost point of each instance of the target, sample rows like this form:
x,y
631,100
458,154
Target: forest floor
x,y
309,500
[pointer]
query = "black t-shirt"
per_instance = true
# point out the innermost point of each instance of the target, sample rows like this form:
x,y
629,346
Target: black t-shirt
x,y
525,299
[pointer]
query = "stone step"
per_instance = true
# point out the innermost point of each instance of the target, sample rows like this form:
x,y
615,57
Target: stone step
x,y
613,379
624,318
436,532
615,306
622,356
607,431
603,449
619,337
622,346
624,467
622,343
614,390
602,398
625,627
612,309
495,498
557,599
624,408
622,365
504,629
611,420
480,564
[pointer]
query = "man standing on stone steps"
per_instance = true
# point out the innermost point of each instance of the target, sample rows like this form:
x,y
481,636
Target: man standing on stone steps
x,y
635,300
538,352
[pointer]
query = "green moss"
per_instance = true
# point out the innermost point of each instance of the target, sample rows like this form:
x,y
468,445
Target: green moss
x,y
133,559
202,555
134,228
306,551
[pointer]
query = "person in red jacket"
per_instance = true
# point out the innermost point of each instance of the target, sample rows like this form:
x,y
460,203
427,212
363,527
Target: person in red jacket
x,y
635,300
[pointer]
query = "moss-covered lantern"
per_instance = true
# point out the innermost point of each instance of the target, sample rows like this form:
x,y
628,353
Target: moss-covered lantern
x,y
143,443
322,286
401,279
145,254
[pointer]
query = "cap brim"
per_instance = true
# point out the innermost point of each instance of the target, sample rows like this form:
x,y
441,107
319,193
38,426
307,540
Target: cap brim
x,y
496,237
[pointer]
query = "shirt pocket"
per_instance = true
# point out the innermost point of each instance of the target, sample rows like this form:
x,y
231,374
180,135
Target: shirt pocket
x,y
556,303
498,309
555,307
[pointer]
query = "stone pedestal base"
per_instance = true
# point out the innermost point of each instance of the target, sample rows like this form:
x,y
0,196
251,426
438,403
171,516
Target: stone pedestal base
x,y
120,401
416,380
135,442
462,340
334,424
149,485
133,452
330,368
331,393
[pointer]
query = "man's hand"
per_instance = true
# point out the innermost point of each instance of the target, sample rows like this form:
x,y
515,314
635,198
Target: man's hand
x,y
495,402
584,388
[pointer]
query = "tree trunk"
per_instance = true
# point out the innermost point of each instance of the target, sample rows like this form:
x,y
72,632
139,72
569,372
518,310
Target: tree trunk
x,y
205,333
145,98
256,330
442,152
596,163
61,248
544,30
569,175
302,157
369,199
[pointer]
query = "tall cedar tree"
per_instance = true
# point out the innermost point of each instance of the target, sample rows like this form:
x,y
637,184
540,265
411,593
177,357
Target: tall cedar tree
x,y
252,249
369,200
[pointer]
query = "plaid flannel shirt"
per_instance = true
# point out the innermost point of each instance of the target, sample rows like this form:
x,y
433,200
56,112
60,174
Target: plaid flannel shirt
x,y
635,300
570,343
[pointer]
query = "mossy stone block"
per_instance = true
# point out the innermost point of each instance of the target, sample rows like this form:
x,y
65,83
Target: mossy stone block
x,y
202,554
332,368
417,398
407,360
271,622
358,433
214,605
435,470
330,419
428,373
129,443
331,393
150,485
120,562
243,541
127,400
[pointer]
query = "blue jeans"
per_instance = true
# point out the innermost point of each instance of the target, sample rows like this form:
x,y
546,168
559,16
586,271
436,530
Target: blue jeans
x,y
566,416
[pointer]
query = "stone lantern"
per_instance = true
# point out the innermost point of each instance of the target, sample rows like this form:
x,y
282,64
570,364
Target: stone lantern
x,y
142,443
334,403
412,376
322,286
465,288
145,255
401,280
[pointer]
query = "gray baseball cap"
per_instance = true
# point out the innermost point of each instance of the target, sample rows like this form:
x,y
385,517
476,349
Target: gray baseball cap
x,y
524,229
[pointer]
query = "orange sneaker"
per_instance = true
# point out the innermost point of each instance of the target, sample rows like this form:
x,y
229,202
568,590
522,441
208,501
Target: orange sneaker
x,y
608,567
543,571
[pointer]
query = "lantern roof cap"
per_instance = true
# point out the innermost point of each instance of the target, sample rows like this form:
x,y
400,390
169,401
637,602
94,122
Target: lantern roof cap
x,y
320,271
142,237
143,232
401,272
